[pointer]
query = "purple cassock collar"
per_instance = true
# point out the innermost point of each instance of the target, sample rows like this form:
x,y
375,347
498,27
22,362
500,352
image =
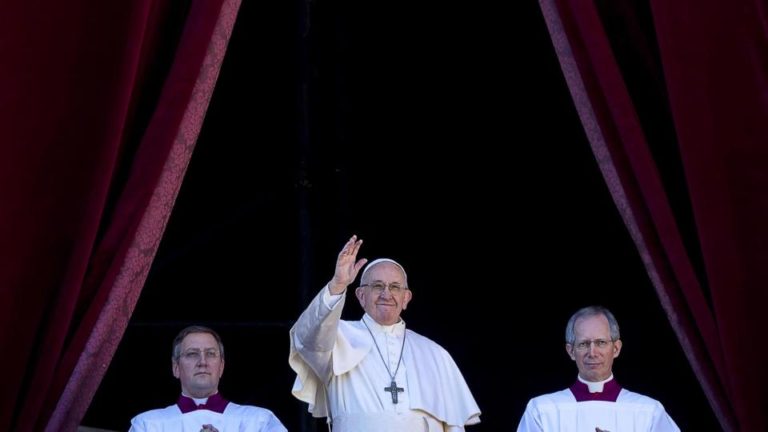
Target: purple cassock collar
x,y
215,403
610,393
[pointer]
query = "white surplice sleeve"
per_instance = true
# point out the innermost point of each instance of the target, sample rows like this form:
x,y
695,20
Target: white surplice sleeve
x,y
313,337
530,421
663,422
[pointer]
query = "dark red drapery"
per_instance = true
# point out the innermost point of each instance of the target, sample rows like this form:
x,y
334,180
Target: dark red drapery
x,y
101,104
712,60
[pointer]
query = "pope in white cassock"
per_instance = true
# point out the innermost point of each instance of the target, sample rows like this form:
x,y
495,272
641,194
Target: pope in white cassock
x,y
374,375
595,402
198,362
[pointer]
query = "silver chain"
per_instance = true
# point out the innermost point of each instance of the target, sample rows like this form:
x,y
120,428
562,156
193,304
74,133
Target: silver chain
x,y
391,375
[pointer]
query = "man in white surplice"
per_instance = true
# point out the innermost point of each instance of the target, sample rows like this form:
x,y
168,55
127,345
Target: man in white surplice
x,y
595,402
198,363
374,375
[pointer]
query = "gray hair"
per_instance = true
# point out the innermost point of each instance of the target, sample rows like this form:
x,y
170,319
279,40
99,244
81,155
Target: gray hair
x,y
383,260
589,311
195,329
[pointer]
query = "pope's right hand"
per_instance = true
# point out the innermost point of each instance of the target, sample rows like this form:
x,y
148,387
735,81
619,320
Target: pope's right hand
x,y
346,266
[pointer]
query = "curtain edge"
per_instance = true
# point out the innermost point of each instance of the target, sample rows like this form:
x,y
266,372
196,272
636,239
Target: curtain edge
x,y
113,319
568,63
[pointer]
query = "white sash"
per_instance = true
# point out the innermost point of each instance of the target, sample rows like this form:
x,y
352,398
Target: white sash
x,y
385,422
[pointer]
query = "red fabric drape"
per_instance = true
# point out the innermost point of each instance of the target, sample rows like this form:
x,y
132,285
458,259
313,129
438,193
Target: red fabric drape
x,y
100,107
713,58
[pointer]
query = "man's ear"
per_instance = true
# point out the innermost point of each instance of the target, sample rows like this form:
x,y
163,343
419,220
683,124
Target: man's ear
x,y
359,293
569,350
616,348
175,368
407,298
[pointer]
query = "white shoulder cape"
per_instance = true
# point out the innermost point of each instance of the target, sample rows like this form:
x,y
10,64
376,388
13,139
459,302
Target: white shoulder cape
x,y
441,390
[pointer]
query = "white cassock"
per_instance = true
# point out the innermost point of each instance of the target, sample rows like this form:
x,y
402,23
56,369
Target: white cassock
x,y
235,418
434,395
561,412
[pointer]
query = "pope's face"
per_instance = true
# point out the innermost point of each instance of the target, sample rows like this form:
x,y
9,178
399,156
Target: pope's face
x,y
594,362
384,306
199,366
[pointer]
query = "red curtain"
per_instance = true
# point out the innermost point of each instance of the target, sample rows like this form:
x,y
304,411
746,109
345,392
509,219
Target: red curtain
x,y
100,107
696,205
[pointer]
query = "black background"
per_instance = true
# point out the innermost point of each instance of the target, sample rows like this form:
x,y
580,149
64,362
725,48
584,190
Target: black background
x,y
444,136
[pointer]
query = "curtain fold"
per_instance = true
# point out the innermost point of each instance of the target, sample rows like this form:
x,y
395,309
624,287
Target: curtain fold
x,y
713,61
101,106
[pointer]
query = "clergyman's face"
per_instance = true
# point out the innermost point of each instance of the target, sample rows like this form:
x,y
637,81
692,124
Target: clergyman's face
x,y
385,306
594,363
199,366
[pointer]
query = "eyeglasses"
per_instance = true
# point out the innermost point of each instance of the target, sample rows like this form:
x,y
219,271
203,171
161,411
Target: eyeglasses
x,y
379,287
598,343
194,356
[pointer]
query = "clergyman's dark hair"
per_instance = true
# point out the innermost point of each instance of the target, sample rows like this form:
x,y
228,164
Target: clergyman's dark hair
x,y
194,329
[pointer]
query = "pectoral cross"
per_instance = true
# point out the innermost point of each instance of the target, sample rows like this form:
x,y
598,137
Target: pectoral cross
x,y
393,388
